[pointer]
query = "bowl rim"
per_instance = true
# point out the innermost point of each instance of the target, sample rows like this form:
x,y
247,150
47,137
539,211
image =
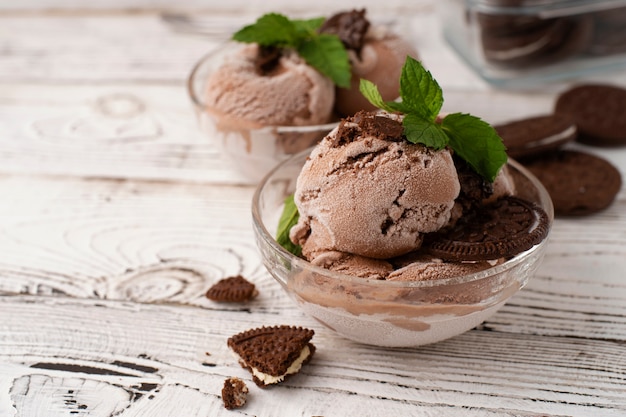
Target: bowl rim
x,y
303,264
201,106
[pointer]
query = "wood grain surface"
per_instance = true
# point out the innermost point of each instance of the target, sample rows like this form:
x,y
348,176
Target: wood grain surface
x,y
117,215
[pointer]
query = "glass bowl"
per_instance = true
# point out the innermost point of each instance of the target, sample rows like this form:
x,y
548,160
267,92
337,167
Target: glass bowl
x,y
388,313
251,151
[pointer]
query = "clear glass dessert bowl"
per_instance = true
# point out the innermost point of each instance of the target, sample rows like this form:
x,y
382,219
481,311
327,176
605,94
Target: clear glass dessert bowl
x,y
390,313
252,151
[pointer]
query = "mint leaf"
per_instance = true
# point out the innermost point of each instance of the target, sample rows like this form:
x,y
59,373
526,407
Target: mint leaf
x,y
371,93
308,26
476,142
422,99
418,130
327,54
323,51
420,92
288,218
271,29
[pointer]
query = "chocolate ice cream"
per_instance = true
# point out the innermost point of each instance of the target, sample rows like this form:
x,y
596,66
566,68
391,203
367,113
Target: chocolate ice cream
x,y
376,54
366,191
289,92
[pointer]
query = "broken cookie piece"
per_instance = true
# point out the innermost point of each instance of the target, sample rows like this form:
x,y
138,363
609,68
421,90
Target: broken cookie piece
x,y
232,289
272,353
234,393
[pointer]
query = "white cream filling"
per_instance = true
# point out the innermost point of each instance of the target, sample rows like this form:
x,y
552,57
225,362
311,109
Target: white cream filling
x,y
518,52
554,138
268,379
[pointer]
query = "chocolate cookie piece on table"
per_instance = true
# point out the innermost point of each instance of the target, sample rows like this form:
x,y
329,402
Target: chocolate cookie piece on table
x,y
501,229
599,111
272,353
578,183
234,289
234,393
535,135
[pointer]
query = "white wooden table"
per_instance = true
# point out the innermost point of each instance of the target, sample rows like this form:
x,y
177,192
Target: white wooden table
x,y
117,215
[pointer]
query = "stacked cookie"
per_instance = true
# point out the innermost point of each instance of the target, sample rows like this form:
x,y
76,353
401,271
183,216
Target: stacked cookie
x,y
579,183
513,36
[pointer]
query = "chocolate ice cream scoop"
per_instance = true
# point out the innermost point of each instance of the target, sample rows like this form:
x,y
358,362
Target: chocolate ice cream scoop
x,y
368,193
289,92
376,54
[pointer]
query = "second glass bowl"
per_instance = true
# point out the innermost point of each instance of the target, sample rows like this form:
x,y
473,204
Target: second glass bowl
x,y
252,152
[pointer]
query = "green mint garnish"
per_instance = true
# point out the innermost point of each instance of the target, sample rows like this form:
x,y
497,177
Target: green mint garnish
x,y
469,137
324,52
288,219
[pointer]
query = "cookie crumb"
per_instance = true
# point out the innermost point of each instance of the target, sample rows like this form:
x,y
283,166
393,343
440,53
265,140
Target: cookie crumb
x,y
234,393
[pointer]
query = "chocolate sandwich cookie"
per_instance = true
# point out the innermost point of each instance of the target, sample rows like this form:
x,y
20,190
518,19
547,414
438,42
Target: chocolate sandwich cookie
x,y
501,229
578,183
232,289
610,34
599,111
273,353
522,40
534,135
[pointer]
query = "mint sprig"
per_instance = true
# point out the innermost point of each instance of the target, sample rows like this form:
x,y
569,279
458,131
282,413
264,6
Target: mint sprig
x,y
288,219
471,138
324,52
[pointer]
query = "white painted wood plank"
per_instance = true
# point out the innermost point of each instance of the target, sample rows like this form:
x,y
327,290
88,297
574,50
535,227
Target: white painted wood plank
x,y
152,359
109,273
113,131
78,48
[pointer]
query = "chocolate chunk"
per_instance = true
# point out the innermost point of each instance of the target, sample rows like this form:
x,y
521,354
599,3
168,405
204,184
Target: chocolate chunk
x,y
271,351
474,188
267,59
534,135
578,183
501,229
598,111
234,393
381,127
368,124
350,27
232,289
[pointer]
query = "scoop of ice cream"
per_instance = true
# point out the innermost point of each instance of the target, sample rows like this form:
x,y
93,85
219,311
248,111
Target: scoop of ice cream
x,y
354,265
423,267
503,185
380,61
365,190
376,54
249,91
